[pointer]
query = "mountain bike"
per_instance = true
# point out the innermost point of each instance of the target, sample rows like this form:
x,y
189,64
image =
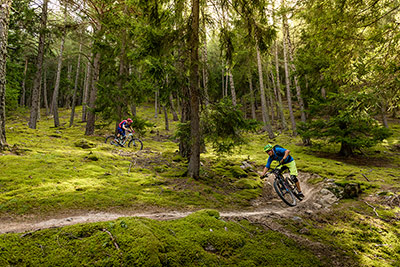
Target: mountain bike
x,y
284,186
128,140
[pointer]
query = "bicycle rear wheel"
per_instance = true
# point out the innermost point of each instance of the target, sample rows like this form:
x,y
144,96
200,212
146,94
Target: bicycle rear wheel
x,y
293,187
110,140
135,144
284,192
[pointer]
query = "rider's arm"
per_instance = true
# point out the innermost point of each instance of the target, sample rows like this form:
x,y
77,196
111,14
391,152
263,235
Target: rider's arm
x,y
264,172
287,151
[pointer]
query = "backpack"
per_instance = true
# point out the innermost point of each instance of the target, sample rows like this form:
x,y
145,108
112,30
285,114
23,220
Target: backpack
x,y
276,146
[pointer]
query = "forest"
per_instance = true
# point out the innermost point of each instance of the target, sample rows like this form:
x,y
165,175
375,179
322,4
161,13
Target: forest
x,y
207,84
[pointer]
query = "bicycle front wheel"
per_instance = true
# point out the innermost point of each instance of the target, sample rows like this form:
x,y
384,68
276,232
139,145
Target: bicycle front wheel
x,y
135,144
284,192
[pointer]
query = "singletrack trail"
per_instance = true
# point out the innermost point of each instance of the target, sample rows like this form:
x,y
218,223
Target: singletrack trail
x,y
267,206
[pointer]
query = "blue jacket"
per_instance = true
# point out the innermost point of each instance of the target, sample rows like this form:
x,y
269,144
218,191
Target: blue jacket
x,y
278,156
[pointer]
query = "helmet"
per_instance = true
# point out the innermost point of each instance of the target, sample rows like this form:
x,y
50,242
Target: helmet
x,y
129,120
267,148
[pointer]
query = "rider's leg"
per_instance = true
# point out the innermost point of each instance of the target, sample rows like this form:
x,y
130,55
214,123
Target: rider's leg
x,y
293,173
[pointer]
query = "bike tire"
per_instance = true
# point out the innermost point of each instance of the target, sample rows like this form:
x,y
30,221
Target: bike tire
x,y
284,193
110,140
135,144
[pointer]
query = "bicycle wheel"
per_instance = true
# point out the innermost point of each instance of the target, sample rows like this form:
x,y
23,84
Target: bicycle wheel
x,y
135,144
110,140
284,192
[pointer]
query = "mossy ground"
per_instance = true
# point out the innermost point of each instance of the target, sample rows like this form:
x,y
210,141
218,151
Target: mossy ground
x,y
47,171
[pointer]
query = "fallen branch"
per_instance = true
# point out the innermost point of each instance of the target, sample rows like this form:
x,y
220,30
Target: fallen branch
x,y
130,166
374,208
366,178
112,238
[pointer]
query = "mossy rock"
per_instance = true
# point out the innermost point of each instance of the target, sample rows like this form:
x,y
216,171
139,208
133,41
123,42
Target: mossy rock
x,y
238,172
246,183
83,143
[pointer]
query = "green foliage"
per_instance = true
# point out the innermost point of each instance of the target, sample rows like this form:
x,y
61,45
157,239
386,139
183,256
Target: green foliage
x,y
349,123
223,125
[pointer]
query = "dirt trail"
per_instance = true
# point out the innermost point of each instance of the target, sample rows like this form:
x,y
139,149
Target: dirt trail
x,y
268,206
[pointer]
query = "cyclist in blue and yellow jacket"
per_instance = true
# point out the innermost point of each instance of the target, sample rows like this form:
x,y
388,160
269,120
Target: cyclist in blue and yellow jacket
x,y
281,155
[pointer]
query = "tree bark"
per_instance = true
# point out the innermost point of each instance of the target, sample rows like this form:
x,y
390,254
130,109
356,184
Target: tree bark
x,y
252,97
85,95
287,79
265,116
173,109
39,65
91,116
23,93
57,85
46,103
78,69
194,162
233,92
4,21
205,59
165,117
296,81
278,86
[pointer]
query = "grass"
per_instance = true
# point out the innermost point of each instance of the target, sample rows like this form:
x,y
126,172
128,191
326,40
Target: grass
x,y
47,172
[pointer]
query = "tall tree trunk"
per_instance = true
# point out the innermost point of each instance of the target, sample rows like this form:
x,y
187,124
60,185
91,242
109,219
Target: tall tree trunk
x,y
166,117
223,79
265,116
287,79
57,85
296,81
233,92
173,109
205,59
46,103
85,95
194,162
23,93
39,66
67,97
278,86
4,20
278,106
383,113
156,95
252,98
78,69
91,116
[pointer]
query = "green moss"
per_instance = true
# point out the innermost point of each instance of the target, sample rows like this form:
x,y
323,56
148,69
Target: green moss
x,y
247,183
199,239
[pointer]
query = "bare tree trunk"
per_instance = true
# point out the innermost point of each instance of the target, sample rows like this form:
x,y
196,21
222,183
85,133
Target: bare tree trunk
x,y
173,109
86,89
57,85
91,116
205,59
223,79
194,161
78,69
233,92
278,86
252,97
4,20
383,113
288,92
67,97
265,116
278,106
39,66
166,117
46,103
156,95
296,81
22,100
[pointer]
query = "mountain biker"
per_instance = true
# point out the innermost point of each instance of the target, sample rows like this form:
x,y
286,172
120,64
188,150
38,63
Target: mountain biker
x,y
125,125
281,155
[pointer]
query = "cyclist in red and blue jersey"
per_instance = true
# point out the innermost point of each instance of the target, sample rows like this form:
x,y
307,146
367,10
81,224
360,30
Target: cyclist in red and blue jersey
x,y
281,155
125,125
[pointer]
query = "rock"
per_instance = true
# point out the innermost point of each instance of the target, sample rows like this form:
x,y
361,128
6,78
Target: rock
x,y
317,206
304,231
351,190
